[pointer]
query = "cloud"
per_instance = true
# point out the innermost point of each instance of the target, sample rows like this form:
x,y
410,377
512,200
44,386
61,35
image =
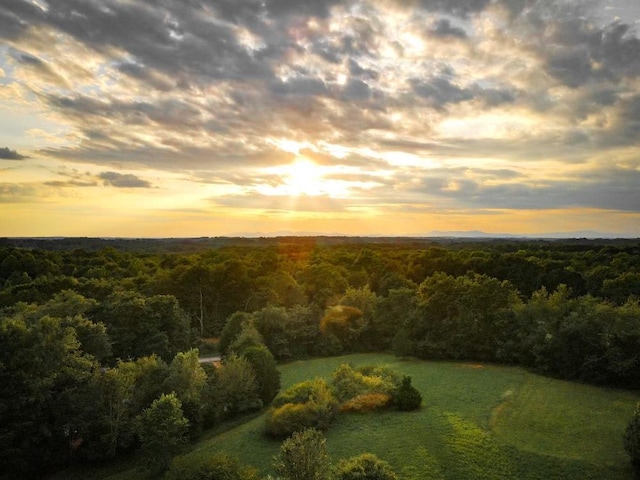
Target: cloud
x,y
17,193
209,90
126,180
8,154
444,29
440,91
70,183
281,203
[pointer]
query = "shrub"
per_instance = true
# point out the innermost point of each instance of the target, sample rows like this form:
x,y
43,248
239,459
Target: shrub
x,y
406,397
304,405
349,383
364,467
290,417
368,402
217,467
304,456
301,392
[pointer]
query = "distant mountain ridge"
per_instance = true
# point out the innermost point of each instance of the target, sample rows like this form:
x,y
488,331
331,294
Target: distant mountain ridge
x,y
481,234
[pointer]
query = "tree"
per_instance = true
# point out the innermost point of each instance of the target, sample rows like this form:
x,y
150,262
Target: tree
x,y
272,322
364,467
463,317
247,338
44,393
186,378
141,326
235,389
632,440
266,371
407,397
232,329
304,456
344,323
162,429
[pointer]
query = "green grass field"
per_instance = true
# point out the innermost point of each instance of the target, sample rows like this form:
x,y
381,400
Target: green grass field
x,y
477,422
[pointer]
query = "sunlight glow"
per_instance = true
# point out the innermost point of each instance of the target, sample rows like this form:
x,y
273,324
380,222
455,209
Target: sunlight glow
x,y
303,177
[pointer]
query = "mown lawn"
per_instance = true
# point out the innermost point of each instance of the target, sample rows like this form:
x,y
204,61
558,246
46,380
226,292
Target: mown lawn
x,y
477,422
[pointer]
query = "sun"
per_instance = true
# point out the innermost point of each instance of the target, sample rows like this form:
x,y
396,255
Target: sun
x,y
303,177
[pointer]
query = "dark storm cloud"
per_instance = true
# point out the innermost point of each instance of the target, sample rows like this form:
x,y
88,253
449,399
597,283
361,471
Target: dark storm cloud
x,y
7,154
123,180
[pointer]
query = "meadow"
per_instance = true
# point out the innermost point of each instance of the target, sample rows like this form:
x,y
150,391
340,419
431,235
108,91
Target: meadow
x,y
478,421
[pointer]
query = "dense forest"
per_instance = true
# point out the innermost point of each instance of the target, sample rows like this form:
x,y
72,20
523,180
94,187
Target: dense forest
x,y
94,332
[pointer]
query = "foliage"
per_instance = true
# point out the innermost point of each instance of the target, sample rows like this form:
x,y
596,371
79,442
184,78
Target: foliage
x,y
186,378
216,467
87,328
247,338
364,467
344,323
140,326
348,382
304,456
632,440
45,379
162,429
503,419
367,402
407,397
232,329
235,389
266,372
465,317
309,404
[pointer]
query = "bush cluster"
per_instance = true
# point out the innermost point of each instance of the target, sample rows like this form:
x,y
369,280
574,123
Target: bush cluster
x,y
308,404
367,402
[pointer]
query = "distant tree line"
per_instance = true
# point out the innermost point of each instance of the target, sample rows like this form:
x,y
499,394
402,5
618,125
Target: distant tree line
x,y
90,339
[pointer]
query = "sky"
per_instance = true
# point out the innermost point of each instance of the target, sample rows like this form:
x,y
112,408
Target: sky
x,y
188,118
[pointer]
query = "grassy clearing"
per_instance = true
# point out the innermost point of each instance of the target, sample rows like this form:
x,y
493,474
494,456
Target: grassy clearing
x,y
477,422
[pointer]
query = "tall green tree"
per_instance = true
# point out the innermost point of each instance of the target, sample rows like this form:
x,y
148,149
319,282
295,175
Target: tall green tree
x,y
266,370
186,378
44,398
162,429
